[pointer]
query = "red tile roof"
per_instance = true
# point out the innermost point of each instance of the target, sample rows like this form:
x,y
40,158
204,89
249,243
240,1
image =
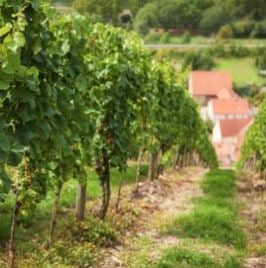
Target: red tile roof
x,y
227,94
209,83
232,127
230,106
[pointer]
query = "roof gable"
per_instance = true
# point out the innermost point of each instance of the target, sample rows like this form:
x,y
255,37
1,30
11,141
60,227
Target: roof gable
x,y
209,83
230,106
232,127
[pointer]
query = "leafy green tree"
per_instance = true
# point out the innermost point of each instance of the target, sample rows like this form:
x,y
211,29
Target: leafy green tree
x,y
198,61
170,14
109,11
146,18
178,14
213,18
253,153
255,10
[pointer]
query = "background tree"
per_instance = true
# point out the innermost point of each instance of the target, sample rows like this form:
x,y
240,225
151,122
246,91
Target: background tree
x,y
198,61
146,18
253,153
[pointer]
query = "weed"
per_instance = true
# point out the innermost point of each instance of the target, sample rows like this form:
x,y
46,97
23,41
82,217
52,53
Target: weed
x,y
219,184
94,231
184,258
214,215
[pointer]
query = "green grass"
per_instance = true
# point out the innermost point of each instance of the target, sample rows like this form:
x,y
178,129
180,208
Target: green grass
x,y
186,258
243,70
183,258
219,184
75,243
93,188
211,223
42,211
214,216
203,40
137,253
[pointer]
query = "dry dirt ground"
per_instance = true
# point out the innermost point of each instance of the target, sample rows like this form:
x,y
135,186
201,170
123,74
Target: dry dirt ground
x,y
253,213
155,202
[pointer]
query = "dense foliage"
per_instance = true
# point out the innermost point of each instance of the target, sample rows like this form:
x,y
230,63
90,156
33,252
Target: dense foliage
x,y
111,11
243,18
261,61
75,95
253,154
199,61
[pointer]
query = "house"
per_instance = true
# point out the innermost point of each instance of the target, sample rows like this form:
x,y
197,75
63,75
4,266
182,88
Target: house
x,y
228,137
207,85
220,109
231,115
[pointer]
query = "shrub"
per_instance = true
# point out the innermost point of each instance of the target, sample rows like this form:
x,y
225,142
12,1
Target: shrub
x,y
186,38
260,61
94,231
199,61
225,32
218,50
63,254
238,51
152,37
259,30
242,28
165,38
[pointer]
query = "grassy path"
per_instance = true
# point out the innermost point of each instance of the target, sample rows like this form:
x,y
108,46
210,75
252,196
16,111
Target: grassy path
x,y
157,202
203,232
186,219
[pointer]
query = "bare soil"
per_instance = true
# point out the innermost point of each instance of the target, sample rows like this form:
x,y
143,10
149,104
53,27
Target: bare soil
x,y
155,203
252,201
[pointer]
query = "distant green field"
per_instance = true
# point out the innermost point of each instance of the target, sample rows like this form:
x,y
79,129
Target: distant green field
x,y
155,38
63,2
243,70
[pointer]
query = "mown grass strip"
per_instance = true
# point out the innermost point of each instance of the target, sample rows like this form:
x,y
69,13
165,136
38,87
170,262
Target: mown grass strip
x,y
186,258
214,216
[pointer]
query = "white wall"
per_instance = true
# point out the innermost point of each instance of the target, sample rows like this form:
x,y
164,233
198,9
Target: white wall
x,y
190,85
210,111
216,134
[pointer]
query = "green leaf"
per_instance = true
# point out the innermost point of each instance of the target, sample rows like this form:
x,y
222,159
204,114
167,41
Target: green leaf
x,y
6,29
3,157
4,85
4,143
65,47
19,39
14,159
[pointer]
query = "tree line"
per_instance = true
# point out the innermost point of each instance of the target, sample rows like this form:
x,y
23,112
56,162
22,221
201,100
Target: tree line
x,y
232,18
75,94
253,154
